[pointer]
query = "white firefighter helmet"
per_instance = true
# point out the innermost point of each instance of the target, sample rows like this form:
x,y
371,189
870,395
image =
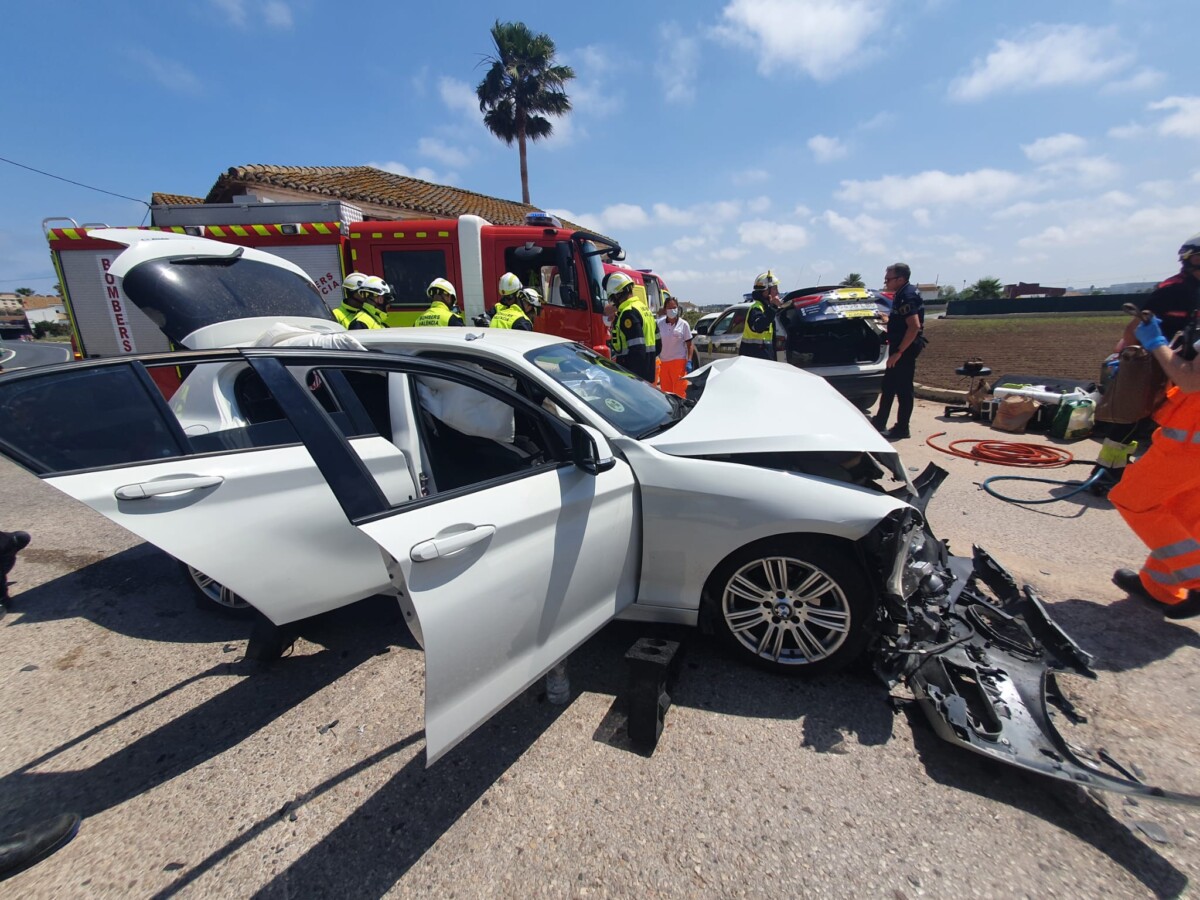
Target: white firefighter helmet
x,y
1190,247
441,284
766,281
376,285
354,282
509,284
531,296
616,282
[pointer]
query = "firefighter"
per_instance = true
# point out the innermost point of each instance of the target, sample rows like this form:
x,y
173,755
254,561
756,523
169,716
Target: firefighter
x,y
510,287
443,308
518,315
351,313
758,334
379,299
631,338
1159,494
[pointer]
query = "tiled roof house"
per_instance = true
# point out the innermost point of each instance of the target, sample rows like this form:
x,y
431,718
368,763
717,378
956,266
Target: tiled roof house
x,y
380,195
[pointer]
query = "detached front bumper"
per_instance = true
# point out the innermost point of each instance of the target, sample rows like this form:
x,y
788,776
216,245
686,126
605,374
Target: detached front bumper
x,y
981,656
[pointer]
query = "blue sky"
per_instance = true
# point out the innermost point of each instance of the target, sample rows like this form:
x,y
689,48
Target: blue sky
x,y
1052,142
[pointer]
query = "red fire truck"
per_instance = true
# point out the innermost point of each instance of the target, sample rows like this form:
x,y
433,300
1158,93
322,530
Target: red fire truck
x,y
328,240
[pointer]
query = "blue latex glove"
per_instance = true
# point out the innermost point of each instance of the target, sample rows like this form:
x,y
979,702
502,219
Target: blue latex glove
x,y
688,367
1149,334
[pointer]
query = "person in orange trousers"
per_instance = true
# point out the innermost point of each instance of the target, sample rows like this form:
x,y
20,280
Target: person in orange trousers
x,y
1159,495
676,355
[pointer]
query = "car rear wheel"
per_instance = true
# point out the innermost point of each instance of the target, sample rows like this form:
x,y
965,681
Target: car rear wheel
x,y
800,605
212,596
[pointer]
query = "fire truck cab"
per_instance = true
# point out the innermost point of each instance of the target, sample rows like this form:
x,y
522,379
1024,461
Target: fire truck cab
x,y
328,240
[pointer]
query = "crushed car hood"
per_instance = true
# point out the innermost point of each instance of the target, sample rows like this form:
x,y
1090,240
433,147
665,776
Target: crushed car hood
x,y
776,408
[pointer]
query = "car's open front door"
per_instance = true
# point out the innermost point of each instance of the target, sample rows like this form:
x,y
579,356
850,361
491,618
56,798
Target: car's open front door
x,y
516,555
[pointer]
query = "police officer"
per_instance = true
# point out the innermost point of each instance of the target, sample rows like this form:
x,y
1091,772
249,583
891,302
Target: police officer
x,y
905,340
443,308
351,313
631,337
758,333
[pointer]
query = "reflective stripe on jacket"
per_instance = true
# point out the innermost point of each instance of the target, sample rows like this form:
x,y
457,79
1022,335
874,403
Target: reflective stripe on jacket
x,y
752,338
350,318
439,314
508,316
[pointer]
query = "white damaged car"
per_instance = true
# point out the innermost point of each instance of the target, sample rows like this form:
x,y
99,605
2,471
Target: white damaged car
x,y
515,492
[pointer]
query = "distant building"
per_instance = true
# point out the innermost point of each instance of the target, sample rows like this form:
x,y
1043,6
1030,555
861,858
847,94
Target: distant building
x,y
1131,287
929,292
41,308
1021,289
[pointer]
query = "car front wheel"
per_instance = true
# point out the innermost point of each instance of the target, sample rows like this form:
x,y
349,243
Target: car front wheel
x,y
800,605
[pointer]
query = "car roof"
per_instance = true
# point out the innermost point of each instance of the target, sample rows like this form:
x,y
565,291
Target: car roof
x,y
502,342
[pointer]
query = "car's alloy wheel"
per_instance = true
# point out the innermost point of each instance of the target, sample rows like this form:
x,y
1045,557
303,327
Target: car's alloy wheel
x,y
791,609
213,596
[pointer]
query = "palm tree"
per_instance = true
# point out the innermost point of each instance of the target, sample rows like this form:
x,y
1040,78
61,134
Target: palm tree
x,y
521,88
852,280
984,289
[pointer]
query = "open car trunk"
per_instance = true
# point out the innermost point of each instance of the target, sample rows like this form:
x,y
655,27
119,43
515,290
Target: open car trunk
x,y
831,342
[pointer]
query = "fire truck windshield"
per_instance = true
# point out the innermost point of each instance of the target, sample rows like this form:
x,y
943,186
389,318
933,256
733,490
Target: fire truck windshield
x,y
182,296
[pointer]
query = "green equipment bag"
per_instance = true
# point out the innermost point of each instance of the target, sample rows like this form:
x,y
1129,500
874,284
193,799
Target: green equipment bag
x,y
1073,419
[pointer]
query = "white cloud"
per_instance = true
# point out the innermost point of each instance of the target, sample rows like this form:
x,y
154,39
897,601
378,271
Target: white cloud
x,y
822,38
758,205
749,176
1124,132
421,172
442,152
459,97
1044,56
864,231
1090,170
677,68
1184,121
275,13
625,215
934,188
235,10
801,211
1150,226
1051,147
922,217
172,75
826,149
879,120
1142,80
779,237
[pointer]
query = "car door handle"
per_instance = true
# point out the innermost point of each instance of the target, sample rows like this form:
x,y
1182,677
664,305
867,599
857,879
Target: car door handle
x,y
147,489
439,547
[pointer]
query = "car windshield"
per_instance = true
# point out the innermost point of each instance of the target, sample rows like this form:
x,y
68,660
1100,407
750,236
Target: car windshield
x,y
620,398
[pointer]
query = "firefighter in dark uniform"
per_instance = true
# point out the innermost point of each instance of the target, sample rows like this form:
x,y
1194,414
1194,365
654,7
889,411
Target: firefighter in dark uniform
x,y
905,340
758,333
629,331
443,310
350,314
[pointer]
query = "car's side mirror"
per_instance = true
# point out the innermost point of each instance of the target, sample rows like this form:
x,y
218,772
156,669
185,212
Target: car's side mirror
x,y
590,450
702,329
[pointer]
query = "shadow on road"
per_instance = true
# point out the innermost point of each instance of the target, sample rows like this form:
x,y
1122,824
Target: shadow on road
x,y
1066,807
1127,634
140,592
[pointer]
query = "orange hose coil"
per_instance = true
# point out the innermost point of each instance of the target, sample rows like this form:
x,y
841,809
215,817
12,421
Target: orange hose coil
x,y
1007,453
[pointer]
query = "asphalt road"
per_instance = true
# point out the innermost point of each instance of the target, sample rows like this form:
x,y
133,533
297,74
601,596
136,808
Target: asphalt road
x,y
199,773
26,354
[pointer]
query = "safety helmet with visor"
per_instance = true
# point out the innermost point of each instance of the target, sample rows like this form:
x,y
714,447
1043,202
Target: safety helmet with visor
x,y
1189,252
354,282
509,284
441,284
617,283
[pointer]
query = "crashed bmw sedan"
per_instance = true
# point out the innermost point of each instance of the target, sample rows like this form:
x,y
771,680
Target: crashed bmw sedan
x,y
515,492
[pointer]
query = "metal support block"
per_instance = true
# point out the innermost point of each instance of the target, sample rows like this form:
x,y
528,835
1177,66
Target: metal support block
x,y
653,668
